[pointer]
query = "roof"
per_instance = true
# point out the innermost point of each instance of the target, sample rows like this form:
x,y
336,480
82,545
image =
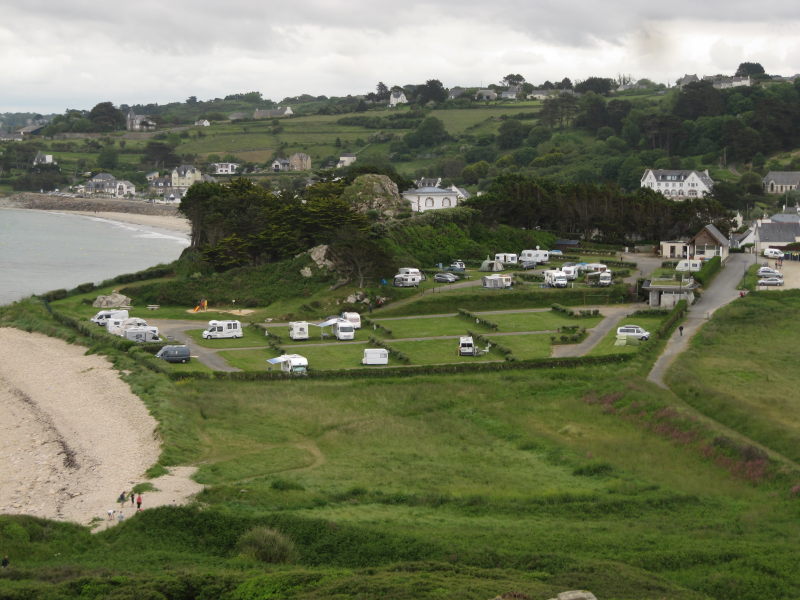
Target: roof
x,y
347,154
715,233
398,93
792,217
782,177
784,233
429,190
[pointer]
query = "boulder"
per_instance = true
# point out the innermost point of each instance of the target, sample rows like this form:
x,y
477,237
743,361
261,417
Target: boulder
x,y
319,254
575,595
378,194
113,300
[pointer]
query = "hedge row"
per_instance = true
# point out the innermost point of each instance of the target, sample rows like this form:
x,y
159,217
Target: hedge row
x,y
589,312
708,271
479,320
471,367
84,288
99,334
376,326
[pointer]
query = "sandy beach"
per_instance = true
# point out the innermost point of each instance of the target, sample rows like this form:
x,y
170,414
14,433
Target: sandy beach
x,y
177,224
73,435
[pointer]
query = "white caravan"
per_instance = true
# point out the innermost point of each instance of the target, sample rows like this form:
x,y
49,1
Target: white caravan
x,y
407,280
411,271
539,256
102,317
298,330
497,281
466,347
118,326
570,272
555,278
223,329
343,330
141,334
352,317
291,363
598,278
506,258
375,356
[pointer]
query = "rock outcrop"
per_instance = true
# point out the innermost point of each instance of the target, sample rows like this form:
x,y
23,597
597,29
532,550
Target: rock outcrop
x,y
113,300
376,193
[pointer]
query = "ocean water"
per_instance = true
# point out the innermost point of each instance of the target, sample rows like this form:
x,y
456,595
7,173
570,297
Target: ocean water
x,y
41,251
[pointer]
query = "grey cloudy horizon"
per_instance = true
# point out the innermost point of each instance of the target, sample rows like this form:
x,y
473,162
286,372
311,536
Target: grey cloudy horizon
x,y
76,53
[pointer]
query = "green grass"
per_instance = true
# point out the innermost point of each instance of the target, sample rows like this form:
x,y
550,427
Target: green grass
x,y
428,327
524,347
432,352
537,321
324,358
607,344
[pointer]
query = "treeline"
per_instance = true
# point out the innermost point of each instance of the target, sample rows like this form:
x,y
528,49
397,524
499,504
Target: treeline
x,y
404,120
596,212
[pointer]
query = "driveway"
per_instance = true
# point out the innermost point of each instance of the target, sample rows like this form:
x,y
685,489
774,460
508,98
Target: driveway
x,y
721,291
176,330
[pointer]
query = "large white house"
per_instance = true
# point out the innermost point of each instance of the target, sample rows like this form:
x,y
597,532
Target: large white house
x,y
434,198
678,184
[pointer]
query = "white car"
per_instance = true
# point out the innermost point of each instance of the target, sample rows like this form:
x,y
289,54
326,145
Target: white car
x,y
771,281
769,272
633,331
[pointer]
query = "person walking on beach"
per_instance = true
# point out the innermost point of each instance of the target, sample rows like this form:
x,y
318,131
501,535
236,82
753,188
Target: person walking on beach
x,y
110,514
120,517
132,497
122,498
680,329
139,502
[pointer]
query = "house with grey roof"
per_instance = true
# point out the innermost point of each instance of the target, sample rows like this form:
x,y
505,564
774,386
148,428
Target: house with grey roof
x,y
678,184
775,235
134,122
486,95
708,243
346,159
397,97
687,79
455,92
432,198
779,182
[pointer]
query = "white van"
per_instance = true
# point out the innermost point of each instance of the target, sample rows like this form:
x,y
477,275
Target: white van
x,y
466,347
689,265
343,330
298,330
352,317
375,356
555,278
291,363
773,253
506,258
401,280
633,331
223,329
102,317
539,256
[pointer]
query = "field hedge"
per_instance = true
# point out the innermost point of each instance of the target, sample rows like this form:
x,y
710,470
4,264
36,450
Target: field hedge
x,y
710,269
479,320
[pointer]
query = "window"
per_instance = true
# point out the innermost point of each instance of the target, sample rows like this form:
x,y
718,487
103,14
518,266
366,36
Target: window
x,y
429,202
445,202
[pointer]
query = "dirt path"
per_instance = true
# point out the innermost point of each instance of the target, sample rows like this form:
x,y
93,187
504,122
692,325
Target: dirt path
x,y
614,315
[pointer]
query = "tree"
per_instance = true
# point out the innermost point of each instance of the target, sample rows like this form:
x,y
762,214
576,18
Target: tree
x,y
511,134
105,117
429,133
432,91
699,99
564,84
358,257
381,92
598,85
749,68
108,158
512,80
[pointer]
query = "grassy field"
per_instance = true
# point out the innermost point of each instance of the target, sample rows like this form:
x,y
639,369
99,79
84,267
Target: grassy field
x,y
607,344
427,327
524,347
321,358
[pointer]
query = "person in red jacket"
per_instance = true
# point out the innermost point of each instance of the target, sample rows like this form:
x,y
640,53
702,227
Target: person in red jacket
x,y
139,502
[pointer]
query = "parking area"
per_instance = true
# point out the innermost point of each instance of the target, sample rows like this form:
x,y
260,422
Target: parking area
x,y
791,274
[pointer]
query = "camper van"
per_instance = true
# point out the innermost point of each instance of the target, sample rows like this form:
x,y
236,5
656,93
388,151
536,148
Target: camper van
x,y
497,281
506,258
411,271
773,253
343,330
691,266
555,278
291,363
298,330
538,256
375,356
118,326
570,271
599,278
466,347
141,334
353,317
223,329
174,354
407,280
102,317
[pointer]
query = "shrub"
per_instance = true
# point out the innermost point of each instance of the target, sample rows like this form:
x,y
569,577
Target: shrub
x,y
708,271
267,545
593,470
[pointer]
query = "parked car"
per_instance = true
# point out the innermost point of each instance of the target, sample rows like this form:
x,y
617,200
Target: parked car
x,y
771,281
633,331
557,252
445,278
528,264
769,272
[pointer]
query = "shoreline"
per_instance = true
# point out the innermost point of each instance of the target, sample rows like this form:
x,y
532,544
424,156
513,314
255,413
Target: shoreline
x,y
172,224
74,435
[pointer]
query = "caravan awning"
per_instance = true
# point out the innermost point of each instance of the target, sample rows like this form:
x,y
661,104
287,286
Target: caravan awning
x,y
277,360
329,322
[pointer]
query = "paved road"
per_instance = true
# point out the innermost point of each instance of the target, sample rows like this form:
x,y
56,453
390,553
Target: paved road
x,y
721,291
176,330
613,315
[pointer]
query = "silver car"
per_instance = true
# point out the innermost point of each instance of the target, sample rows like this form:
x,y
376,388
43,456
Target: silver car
x,y
771,281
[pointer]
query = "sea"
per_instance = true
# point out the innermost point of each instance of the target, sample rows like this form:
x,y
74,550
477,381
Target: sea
x,y
43,251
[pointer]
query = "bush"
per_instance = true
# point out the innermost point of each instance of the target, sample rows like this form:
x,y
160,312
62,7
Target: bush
x,y
709,271
267,545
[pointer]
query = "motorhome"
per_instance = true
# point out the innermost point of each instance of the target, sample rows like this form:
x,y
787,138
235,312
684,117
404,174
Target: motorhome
x,y
506,258
595,267
375,356
570,271
141,334
538,256
298,330
598,278
466,347
690,266
497,281
555,278
118,326
352,317
407,280
411,271
291,363
343,330
102,317
174,354
223,329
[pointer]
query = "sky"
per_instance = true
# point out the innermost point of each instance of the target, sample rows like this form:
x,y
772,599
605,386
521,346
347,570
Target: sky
x,y
60,54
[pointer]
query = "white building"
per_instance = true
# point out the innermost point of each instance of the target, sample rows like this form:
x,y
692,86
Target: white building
x,y
345,160
224,168
433,198
397,97
678,184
